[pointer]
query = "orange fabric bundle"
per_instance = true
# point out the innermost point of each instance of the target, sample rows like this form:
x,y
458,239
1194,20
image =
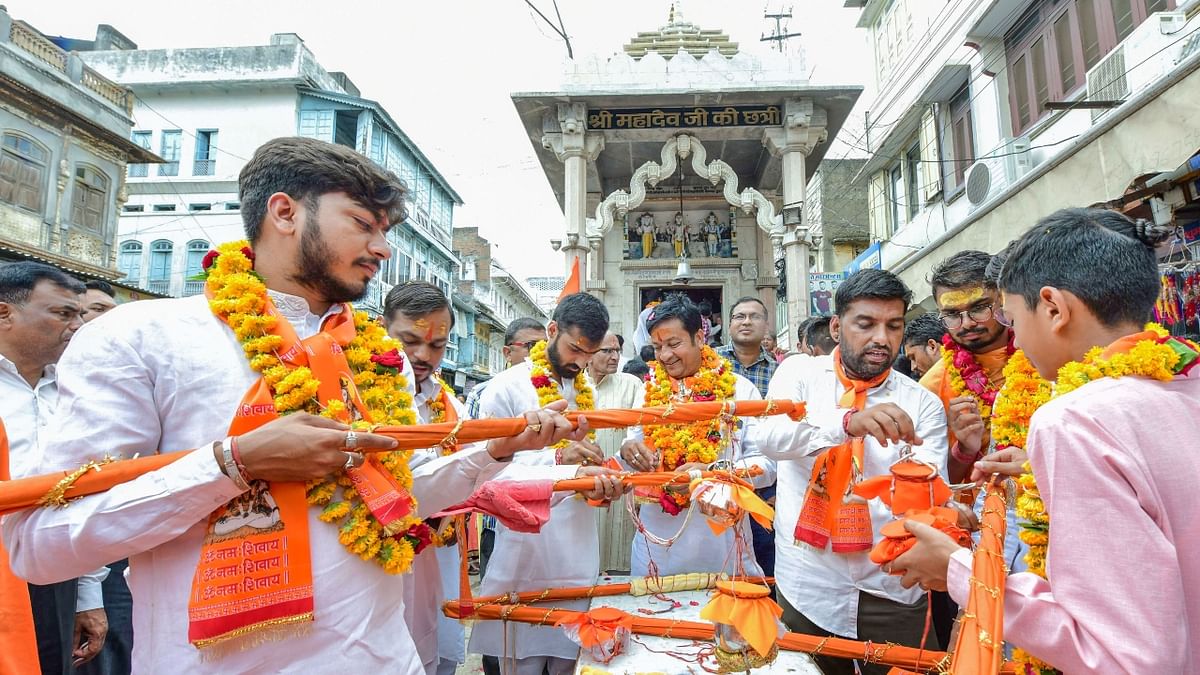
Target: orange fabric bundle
x,y
748,608
603,631
897,540
27,493
980,646
911,486
18,643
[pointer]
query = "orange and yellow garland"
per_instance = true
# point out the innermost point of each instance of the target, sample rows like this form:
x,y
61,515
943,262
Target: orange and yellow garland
x,y
701,441
437,414
239,297
547,386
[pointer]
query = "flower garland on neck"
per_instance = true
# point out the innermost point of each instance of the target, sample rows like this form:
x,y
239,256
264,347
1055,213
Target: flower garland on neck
x,y
700,441
437,414
547,386
967,377
1161,358
239,297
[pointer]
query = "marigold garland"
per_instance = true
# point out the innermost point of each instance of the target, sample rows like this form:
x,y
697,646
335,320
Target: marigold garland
x,y
1156,359
968,378
239,297
547,386
437,414
701,441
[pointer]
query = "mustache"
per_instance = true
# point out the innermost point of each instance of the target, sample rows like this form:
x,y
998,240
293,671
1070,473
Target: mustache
x,y
420,364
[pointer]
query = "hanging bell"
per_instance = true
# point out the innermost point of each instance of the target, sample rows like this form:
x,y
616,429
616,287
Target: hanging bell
x,y
683,274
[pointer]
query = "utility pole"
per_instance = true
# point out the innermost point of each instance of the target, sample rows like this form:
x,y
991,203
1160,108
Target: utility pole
x,y
779,35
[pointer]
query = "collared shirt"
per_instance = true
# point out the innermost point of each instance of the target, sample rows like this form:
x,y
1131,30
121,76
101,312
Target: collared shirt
x,y
1117,467
26,412
821,584
165,375
759,373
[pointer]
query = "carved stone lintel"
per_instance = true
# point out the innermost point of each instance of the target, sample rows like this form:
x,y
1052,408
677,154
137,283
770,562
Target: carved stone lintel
x,y
804,127
566,134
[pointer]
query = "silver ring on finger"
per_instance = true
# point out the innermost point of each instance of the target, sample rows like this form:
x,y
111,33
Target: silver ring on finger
x,y
351,439
350,461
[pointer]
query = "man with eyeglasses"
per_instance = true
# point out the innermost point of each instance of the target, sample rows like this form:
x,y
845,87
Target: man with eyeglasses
x,y
747,328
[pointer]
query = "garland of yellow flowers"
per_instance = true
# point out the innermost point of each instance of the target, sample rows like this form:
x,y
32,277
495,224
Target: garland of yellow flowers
x,y
986,395
239,297
437,414
547,386
1025,391
698,441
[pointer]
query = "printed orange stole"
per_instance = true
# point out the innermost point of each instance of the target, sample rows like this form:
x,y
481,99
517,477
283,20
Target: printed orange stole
x,y
18,643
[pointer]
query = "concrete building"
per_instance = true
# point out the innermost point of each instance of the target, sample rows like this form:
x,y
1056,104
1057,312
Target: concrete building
x,y
497,298
546,291
205,111
691,155
994,113
64,145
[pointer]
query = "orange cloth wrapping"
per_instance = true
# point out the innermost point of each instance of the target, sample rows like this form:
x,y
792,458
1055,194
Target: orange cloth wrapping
x,y
896,540
26,493
748,608
18,643
601,630
980,646
912,486
723,498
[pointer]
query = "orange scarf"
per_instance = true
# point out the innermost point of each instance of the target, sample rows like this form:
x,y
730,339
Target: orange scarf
x,y
18,643
826,513
255,569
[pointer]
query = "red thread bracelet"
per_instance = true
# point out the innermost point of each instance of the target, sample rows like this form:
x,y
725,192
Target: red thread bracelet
x,y
237,458
846,421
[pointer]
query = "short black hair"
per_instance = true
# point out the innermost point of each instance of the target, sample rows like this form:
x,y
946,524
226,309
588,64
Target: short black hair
x,y
962,270
925,327
636,367
646,353
305,169
18,279
875,284
100,285
415,299
1099,256
678,308
620,340
745,299
817,333
585,312
705,307
518,325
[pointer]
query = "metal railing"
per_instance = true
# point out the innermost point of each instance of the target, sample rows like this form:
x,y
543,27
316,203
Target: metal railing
x,y
204,167
139,170
160,286
168,169
193,287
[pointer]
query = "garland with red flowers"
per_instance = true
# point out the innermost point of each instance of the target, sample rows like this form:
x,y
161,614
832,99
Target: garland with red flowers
x,y
968,378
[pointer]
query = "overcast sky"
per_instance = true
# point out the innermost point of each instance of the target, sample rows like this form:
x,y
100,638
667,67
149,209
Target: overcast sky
x,y
444,69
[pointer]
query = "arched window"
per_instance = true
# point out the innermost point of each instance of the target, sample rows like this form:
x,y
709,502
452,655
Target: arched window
x,y
23,172
89,199
130,261
160,266
196,250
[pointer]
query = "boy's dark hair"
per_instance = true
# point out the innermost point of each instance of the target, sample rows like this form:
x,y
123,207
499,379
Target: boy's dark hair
x,y
646,353
305,169
518,325
925,327
962,270
18,279
817,334
874,284
1099,256
415,299
100,285
679,308
585,312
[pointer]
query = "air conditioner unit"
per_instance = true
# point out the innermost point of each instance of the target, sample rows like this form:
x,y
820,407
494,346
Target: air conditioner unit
x,y
1143,57
993,173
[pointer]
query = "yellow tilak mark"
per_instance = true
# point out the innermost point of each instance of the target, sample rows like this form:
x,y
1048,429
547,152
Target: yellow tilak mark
x,y
961,298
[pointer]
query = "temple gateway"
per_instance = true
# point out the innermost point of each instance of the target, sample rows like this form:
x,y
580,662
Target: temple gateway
x,y
681,165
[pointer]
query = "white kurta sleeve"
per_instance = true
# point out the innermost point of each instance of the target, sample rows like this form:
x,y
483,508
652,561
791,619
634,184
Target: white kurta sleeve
x,y
750,454
778,436
105,385
89,590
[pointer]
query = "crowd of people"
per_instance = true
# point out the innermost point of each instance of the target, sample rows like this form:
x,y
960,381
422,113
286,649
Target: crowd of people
x,y
292,536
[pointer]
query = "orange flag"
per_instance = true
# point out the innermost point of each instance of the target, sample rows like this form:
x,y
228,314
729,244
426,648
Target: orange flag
x,y
18,644
572,285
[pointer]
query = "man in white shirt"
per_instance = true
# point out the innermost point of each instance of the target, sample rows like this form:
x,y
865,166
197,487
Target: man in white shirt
x,y
859,414
566,551
39,313
678,339
166,375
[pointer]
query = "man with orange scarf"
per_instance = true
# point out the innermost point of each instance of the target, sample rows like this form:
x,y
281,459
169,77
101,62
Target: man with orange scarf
x,y
860,416
1113,456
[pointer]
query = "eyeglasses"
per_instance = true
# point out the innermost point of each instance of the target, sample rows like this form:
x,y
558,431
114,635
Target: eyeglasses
x,y
747,317
610,351
954,320
1003,317
527,345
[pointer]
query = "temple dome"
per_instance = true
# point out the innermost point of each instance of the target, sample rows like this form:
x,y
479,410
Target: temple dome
x,y
680,34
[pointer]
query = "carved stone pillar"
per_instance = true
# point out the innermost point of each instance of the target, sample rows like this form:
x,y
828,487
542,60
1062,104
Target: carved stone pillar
x,y
566,135
803,128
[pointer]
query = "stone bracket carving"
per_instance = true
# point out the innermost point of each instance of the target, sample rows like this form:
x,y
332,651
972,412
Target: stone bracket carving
x,y
681,146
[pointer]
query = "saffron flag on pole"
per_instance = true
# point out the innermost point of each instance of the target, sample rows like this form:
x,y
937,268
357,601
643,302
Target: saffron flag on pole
x,y
572,285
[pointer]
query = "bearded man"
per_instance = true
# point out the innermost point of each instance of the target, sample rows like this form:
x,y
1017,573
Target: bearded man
x,y
687,370
860,414
269,581
566,551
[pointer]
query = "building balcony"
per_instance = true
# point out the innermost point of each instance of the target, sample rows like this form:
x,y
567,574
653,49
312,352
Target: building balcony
x,y
204,167
160,286
193,287
26,38
168,169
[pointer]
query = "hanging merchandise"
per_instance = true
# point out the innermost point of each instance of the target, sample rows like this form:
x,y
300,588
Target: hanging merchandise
x,y
1178,305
